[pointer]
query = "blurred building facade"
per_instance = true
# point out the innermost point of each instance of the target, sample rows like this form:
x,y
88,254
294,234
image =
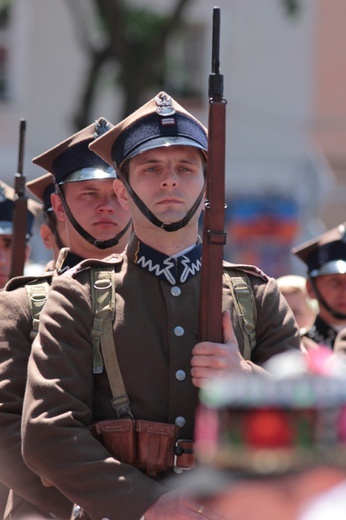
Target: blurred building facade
x,y
285,79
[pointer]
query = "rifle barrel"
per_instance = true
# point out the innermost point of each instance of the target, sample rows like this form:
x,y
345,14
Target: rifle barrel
x,y
22,129
19,218
215,53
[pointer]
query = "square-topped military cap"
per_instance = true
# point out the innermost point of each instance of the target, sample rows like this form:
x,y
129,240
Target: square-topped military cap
x,y
72,161
160,122
325,254
7,197
42,188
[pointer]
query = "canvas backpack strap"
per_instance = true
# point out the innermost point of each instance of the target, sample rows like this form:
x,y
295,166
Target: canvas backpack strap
x,y
241,291
103,302
37,294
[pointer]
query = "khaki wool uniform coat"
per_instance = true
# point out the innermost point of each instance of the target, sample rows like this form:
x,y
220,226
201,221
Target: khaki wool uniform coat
x,y
63,397
28,497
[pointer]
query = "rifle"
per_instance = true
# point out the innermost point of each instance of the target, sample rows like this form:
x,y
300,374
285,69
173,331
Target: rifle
x,y
19,211
214,236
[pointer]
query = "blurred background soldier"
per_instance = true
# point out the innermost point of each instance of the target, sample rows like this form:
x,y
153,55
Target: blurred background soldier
x,y
52,230
6,229
325,258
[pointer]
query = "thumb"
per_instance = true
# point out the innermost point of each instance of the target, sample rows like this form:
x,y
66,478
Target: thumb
x,y
227,327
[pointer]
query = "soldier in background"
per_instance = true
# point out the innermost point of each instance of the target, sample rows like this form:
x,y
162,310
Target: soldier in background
x,y
85,182
325,258
6,229
52,231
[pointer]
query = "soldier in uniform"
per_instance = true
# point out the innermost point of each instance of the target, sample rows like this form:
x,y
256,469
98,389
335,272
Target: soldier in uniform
x,y
325,258
49,231
6,233
90,205
160,152
6,229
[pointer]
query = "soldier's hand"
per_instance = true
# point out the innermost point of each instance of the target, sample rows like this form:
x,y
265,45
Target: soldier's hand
x,y
212,359
173,506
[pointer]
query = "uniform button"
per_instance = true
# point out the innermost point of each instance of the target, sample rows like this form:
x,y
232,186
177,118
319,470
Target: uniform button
x,y
179,331
175,291
76,511
180,421
180,375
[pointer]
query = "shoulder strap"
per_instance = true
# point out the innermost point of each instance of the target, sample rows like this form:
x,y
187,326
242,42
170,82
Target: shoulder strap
x,y
241,291
37,294
103,304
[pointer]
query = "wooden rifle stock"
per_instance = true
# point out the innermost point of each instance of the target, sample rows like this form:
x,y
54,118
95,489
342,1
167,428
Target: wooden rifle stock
x,y
214,236
19,211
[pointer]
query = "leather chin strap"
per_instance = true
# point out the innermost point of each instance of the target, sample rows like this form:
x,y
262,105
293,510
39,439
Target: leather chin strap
x,y
174,226
100,244
336,314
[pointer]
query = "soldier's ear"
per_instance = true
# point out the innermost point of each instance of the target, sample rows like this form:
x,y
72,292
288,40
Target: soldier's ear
x,y
47,236
58,207
121,193
310,289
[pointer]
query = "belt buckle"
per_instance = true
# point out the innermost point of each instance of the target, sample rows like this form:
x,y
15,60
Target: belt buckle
x,y
177,447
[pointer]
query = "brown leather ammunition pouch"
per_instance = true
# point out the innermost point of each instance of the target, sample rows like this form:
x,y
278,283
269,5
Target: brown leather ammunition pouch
x,y
147,445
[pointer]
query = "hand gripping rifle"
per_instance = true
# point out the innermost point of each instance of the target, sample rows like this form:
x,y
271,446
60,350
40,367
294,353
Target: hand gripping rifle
x,y
214,236
19,211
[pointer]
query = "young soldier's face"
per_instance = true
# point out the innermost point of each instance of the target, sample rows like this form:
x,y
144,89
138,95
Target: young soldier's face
x,y
5,258
168,180
95,206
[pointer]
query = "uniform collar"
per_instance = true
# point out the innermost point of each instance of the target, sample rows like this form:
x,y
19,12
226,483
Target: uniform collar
x,y
323,333
174,270
66,260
